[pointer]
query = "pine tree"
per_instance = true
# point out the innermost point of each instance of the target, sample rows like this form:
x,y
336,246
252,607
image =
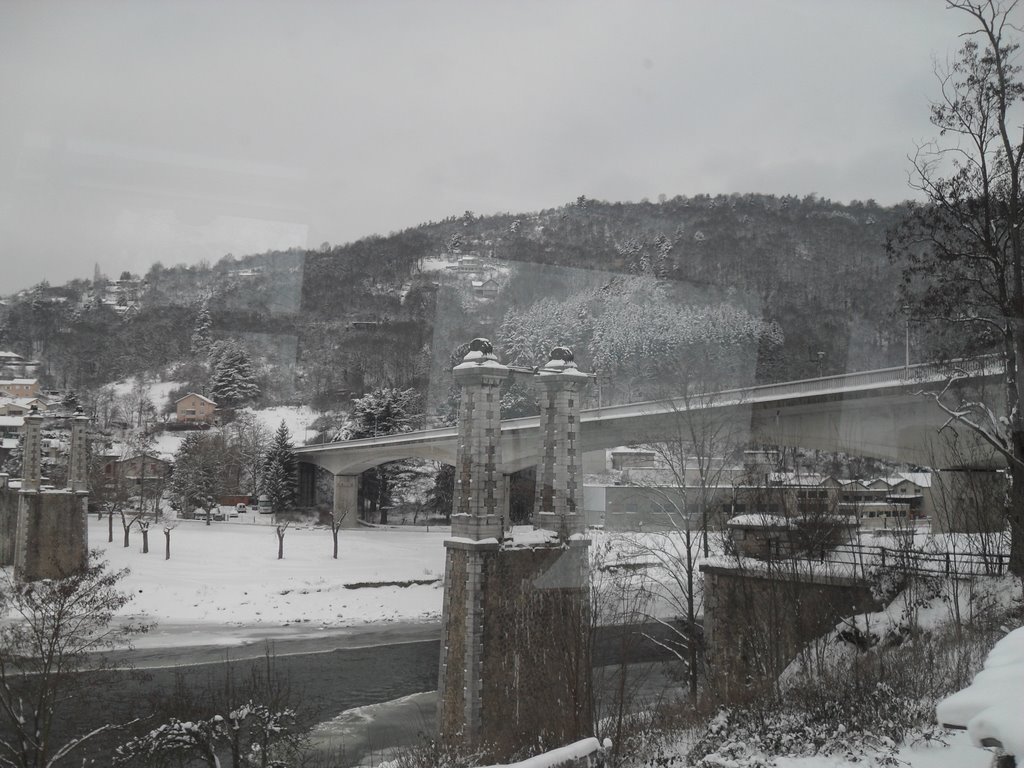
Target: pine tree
x,y
196,476
280,472
385,411
201,338
232,383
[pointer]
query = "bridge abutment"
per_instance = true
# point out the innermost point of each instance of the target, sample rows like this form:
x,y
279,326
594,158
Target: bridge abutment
x,y
757,619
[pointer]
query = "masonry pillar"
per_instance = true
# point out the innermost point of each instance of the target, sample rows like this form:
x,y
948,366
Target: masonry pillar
x,y
78,460
346,499
51,541
479,506
478,513
559,504
32,452
8,520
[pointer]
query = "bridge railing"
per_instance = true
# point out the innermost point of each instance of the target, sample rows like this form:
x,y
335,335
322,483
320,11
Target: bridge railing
x,y
947,563
919,373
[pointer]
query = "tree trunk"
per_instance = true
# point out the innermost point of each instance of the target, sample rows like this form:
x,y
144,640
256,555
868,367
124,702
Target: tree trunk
x,y
167,545
127,529
334,533
280,545
145,541
207,517
110,527
1015,512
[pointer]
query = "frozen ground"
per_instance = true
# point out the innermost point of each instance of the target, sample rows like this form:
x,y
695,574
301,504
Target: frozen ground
x,y
227,576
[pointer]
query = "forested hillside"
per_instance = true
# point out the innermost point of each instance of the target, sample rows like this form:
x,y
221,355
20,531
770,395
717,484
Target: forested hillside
x,y
324,325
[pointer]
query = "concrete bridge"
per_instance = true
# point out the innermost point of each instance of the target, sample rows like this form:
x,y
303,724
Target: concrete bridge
x,y
885,414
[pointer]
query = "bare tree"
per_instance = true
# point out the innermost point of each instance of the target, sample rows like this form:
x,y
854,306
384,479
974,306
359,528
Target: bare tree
x,y
249,440
281,528
337,520
168,527
144,530
963,250
128,519
47,657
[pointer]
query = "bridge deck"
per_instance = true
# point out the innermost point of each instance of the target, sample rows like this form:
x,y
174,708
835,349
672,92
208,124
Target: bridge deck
x,y
440,442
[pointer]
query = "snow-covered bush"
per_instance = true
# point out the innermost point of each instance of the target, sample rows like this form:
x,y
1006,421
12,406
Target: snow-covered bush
x,y
858,724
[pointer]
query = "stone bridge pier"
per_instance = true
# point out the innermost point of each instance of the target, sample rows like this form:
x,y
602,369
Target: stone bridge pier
x,y
43,531
515,656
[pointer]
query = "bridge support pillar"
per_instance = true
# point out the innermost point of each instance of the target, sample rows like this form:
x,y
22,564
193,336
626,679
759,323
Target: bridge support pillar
x,y
480,503
559,504
757,620
515,662
51,540
346,499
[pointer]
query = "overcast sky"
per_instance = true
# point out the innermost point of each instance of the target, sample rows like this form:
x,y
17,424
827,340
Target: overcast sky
x,y
132,132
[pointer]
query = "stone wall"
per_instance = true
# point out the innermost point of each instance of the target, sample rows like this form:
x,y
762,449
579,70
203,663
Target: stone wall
x,y
52,538
521,618
757,621
8,522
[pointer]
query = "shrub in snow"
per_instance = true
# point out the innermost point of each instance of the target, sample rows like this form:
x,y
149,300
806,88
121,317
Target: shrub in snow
x,y
860,724
253,734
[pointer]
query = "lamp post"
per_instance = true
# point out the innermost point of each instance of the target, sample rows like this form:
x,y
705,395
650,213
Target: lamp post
x,y
906,346
816,357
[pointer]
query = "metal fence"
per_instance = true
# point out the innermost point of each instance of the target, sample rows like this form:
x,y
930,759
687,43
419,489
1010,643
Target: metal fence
x,y
949,563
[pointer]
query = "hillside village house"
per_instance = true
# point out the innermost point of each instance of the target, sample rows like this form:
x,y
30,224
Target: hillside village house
x,y
195,408
647,496
136,469
19,387
19,406
487,289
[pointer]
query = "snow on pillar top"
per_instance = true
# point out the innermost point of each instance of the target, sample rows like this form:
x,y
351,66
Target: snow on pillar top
x,y
561,360
480,355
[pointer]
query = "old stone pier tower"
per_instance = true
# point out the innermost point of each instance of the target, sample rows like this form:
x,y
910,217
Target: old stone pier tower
x,y
43,531
515,649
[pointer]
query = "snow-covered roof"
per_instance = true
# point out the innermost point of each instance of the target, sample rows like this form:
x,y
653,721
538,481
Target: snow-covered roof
x,y
991,707
920,479
15,422
195,394
759,521
799,479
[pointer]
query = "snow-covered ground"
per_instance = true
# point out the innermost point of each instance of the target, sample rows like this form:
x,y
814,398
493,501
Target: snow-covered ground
x,y
296,417
227,575
158,391
957,753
